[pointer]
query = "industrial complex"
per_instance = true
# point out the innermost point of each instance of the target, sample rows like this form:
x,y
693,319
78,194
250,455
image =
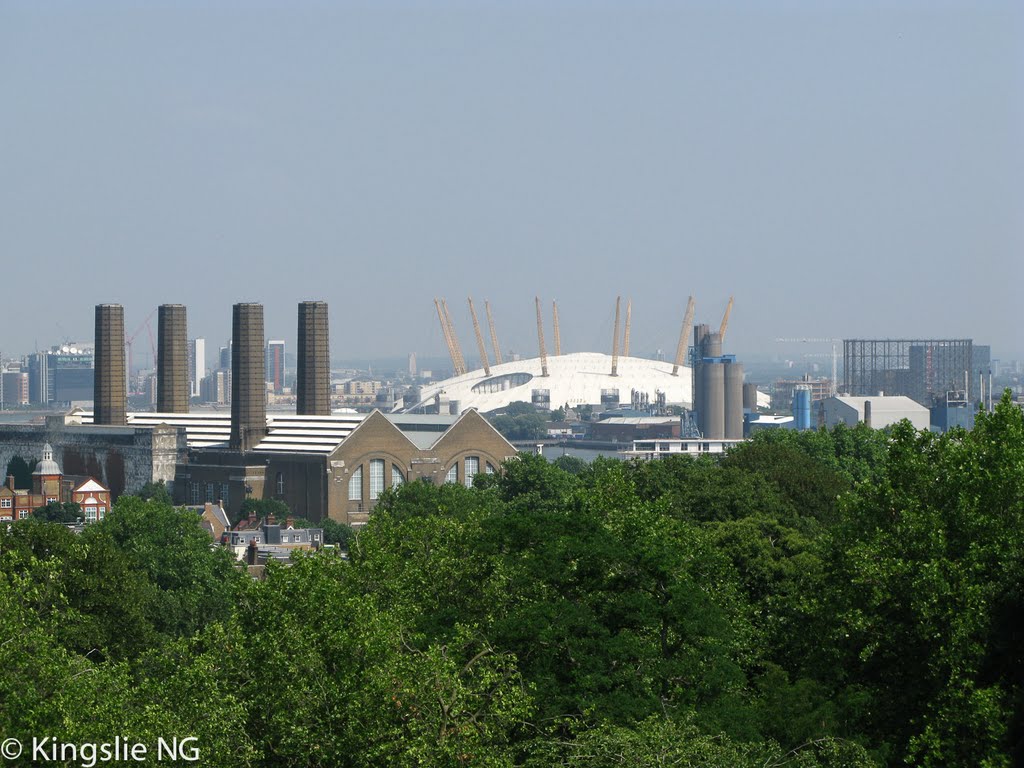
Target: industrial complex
x,y
324,462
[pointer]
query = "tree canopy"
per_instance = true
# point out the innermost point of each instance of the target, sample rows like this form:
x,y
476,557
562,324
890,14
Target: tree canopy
x,y
842,598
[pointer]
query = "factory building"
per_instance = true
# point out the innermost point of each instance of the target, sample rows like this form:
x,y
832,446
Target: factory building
x,y
877,412
319,464
922,369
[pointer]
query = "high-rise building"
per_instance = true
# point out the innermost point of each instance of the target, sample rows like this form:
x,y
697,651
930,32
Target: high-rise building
x,y
14,390
38,378
224,359
196,365
275,365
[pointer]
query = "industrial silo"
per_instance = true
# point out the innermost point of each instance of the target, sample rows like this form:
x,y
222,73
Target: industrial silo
x,y
733,410
802,407
712,415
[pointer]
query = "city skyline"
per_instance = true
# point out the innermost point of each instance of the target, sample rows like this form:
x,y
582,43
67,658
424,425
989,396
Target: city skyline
x,y
849,172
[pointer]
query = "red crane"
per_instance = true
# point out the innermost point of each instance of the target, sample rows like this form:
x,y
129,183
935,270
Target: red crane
x,y
128,343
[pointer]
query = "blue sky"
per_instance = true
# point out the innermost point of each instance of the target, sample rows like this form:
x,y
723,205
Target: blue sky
x,y
844,169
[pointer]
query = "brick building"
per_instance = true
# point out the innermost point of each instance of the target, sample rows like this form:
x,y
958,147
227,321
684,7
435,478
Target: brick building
x,y
338,466
49,484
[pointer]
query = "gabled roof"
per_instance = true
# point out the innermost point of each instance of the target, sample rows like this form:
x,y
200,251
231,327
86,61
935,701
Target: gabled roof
x,y
89,486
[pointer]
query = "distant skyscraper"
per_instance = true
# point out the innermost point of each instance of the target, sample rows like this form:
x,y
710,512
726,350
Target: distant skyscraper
x,y
412,363
224,360
196,365
275,365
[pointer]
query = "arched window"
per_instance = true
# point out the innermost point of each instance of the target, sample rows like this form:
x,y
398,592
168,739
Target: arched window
x,y
355,485
397,478
376,478
472,467
489,468
453,474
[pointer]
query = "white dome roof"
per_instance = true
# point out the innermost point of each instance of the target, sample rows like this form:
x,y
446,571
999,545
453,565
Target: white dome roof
x,y
47,466
573,379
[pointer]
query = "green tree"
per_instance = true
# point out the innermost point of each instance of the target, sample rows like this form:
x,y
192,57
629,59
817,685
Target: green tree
x,y
264,508
59,512
157,491
21,471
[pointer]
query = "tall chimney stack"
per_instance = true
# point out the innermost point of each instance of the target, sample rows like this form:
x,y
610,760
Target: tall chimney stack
x,y
248,382
313,376
109,374
172,384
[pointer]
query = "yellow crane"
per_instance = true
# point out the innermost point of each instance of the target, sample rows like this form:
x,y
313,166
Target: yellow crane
x,y
725,320
615,339
684,337
479,339
460,360
447,336
540,339
494,334
625,335
558,335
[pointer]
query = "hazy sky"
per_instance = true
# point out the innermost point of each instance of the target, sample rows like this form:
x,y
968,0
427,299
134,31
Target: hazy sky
x,y
844,169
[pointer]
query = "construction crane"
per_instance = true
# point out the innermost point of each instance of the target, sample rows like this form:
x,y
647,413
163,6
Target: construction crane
x,y
494,334
835,355
479,339
455,339
130,341
540,339
447,337
625,335
558,334
615,339
684,337
725,320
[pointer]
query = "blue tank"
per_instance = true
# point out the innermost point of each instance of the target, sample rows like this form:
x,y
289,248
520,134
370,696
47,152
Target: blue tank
x,y
802,408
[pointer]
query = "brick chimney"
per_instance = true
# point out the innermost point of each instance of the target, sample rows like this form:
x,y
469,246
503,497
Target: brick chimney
x,y
10,482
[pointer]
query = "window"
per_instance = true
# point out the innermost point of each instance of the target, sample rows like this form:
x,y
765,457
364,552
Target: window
x,y
453,474
6,503
102,512
376,478
224,493
50,499
397,478
209,492
193,493
489,468
5,518
280,484
90,513
355,485
472,467
22,514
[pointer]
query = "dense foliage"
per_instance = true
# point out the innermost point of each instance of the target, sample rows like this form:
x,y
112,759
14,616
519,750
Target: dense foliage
x,y
844,598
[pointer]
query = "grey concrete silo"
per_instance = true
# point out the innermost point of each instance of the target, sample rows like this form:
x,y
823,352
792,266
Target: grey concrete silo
x,y
733,382
712,418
